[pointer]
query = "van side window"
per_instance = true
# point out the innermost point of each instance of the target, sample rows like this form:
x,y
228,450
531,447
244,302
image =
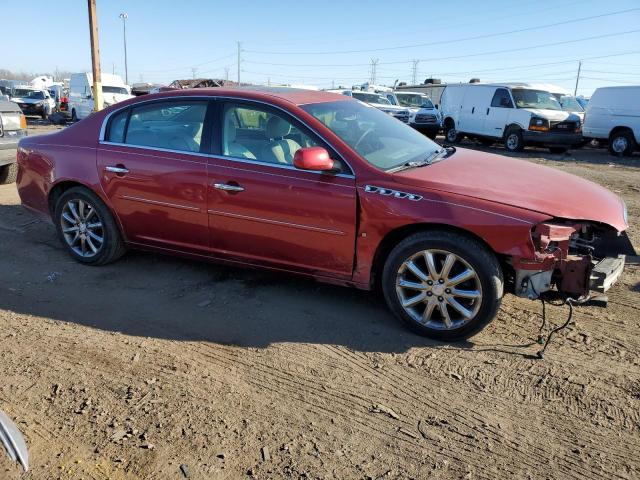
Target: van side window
x,y
501,99
116,127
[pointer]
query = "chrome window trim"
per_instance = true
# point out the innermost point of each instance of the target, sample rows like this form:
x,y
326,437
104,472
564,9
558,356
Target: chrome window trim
x,y
105,121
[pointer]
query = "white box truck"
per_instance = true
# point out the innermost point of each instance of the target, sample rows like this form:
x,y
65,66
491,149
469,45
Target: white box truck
x,y
114,90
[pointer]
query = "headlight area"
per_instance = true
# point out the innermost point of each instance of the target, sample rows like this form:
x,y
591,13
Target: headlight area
x,y
539,124
573,257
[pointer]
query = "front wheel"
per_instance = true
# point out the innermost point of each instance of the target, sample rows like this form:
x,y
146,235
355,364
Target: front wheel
x,y
443,285
513,141
86,228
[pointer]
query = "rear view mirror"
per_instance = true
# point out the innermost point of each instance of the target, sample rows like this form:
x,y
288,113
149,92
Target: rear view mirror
x,y
313,158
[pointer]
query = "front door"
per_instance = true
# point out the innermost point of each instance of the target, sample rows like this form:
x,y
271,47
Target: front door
x,y
263,210
498,113
151,169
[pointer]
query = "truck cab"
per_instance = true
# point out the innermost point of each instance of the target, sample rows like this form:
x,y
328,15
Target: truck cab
x,y
423,115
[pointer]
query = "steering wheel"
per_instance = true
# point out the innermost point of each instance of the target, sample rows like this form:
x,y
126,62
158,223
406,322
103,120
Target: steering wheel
x,y
363,136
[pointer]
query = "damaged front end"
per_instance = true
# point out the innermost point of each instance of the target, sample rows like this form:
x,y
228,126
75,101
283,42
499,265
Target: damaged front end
x,y
575,257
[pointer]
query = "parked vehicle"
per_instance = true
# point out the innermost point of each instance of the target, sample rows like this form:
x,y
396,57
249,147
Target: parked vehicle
x,y
432,88
33,101
613,116
583,101
423,115
13,126
325,186
514,114
80,100
378,101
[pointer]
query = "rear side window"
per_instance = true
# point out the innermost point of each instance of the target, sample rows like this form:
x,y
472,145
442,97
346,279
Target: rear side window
x,y
171,125
501,99
116,127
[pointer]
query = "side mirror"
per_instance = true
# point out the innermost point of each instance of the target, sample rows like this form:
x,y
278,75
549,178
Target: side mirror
x,y
313,158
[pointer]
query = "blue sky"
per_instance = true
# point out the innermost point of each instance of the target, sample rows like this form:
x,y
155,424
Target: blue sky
x,y
302,42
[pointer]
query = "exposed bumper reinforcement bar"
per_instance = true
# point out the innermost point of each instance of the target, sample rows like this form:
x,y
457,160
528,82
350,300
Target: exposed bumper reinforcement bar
x,y
606,272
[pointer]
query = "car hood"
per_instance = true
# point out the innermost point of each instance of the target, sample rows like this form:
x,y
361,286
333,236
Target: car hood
x,y
26,100
521,184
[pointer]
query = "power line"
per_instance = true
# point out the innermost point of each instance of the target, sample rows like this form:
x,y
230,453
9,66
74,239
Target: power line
x,y
191,66
440,42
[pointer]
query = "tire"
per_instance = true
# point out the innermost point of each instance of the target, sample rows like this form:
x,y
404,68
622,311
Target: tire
x,y
452,135
8,173
469,254
513,141
622,143
44,115
558,149
112,246
74,116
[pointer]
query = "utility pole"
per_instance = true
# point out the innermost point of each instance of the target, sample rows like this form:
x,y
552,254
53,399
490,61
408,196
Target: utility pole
x,y
95,56
414,72
113,68
226,74
374,64
194,70
239,60
124,17
575,92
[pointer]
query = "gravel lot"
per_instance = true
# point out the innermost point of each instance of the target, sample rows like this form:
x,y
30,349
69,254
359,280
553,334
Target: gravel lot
x,y
156,367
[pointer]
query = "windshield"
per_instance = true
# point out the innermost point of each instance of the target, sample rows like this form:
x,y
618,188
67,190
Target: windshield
x,y
108,89
568,103
370,98
379,138
526,98
22,93
414,100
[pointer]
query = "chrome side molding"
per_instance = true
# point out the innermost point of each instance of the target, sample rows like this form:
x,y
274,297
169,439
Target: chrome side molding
x,y
13,441
387,192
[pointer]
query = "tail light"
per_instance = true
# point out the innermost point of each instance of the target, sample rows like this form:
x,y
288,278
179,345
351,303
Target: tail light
x,y
23,122
64,99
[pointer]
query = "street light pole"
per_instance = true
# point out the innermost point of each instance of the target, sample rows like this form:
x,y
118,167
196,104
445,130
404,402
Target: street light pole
x,y
124,17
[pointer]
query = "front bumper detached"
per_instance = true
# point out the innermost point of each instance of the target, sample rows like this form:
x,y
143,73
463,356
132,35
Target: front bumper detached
x,y
606,272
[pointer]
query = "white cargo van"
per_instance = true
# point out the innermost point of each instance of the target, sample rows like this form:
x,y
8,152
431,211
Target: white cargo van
x,y
114,90
515,114
613,115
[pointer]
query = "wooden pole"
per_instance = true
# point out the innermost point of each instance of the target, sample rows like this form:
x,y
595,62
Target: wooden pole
x,y
95,56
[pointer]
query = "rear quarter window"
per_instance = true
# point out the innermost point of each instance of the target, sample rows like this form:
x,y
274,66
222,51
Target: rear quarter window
x,y
117,126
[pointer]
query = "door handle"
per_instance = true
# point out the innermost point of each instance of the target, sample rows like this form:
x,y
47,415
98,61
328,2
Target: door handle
x,y
116,169
487,111
473,109
228,188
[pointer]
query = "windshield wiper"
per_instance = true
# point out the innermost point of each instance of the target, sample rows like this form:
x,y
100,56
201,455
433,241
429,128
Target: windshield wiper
x,y
427,161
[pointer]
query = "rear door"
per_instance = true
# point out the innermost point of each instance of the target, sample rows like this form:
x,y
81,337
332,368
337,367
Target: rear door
x,y
497,115
263,210
474,108
152,169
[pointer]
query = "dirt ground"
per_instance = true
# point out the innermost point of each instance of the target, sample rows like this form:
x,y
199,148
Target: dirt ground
x,y
162,368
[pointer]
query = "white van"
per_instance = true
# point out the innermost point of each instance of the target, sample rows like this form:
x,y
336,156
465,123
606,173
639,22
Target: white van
x,y
114,90
516,114
613,115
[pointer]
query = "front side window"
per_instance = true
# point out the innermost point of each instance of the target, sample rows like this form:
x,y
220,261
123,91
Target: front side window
x,y
256,133
526,98
379,138
501,99
172,125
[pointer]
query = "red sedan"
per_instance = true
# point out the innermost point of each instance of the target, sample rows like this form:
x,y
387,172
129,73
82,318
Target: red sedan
x,y
326,186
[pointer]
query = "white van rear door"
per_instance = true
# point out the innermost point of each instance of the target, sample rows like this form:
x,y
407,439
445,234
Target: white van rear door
x,y
474,108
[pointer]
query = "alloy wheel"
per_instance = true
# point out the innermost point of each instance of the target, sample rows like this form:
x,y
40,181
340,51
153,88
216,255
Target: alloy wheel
x,y
452,135
512,141
82,228
439,289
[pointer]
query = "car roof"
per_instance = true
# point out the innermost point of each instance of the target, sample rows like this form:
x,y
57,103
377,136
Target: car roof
x,y
296,96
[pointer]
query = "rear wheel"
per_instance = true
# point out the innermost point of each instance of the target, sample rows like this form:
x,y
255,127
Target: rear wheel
x,y
451,134
513,140
8,173
86,228
74,116
443,285
622,143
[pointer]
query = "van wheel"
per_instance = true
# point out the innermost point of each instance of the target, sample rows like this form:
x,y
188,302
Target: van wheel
x,y
8,173
622,143
452,135
513,140
443,285
74,117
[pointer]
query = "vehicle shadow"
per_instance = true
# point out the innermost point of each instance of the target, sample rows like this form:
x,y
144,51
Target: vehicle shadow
x,y
150,295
